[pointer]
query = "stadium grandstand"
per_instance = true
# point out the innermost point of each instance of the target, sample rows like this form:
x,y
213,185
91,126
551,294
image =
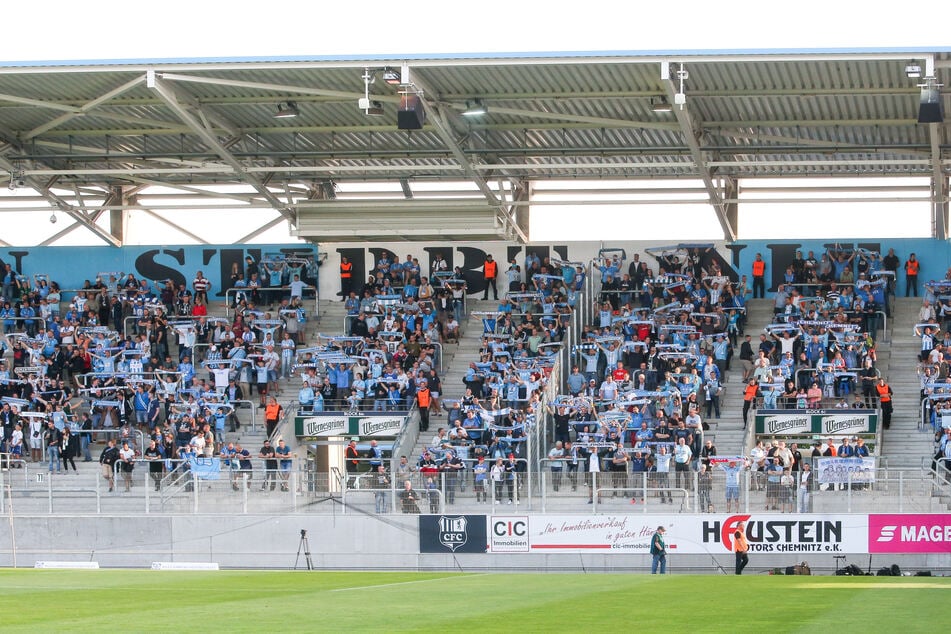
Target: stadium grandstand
x,y
354,332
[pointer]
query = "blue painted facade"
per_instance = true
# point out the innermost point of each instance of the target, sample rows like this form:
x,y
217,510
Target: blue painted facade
x,y
934,256
71,267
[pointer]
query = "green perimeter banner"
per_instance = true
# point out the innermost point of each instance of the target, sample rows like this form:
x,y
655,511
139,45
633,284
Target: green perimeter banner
x,y
827,422
345,424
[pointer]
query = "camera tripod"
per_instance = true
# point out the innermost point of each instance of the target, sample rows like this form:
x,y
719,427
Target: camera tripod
x,y
304,546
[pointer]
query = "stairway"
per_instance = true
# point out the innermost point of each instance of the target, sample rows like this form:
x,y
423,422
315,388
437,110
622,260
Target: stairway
x,y
456,360
727,433
904,444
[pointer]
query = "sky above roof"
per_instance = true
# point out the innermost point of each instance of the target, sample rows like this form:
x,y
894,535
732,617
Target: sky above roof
x,y
185,29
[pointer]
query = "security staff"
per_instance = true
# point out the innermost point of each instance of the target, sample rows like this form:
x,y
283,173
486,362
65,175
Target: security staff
x,y
490,271
759,276
741,547
346,277
885,400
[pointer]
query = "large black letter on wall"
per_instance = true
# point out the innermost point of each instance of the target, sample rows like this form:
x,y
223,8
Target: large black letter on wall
x,y
147,267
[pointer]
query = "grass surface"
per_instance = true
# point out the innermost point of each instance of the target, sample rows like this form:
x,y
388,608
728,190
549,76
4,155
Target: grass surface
x,y
235,601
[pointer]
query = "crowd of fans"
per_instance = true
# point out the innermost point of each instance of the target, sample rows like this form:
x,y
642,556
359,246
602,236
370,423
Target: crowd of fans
x,y
651,369
142,363
932,329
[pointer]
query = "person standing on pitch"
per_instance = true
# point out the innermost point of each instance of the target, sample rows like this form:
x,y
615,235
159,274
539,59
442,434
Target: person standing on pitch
x,y
659,551
741,547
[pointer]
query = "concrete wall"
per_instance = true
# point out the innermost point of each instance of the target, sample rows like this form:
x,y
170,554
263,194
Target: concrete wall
x,y
351,542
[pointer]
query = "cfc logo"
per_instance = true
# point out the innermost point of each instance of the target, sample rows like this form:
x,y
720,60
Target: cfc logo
x,y
452,532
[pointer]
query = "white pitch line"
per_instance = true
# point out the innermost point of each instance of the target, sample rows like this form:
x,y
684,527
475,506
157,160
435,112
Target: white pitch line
x,y
405,583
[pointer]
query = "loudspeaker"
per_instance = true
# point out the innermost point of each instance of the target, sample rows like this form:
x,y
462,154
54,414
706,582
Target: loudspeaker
x,y
929,109
411,115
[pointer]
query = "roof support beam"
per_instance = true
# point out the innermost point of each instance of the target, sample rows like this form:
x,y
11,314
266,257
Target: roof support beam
x,y
690,137
939,186
444,130
56,202
260,230
63,118
167,93
174,226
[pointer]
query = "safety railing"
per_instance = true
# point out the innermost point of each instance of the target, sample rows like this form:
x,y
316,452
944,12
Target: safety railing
x,y
301,489
232,293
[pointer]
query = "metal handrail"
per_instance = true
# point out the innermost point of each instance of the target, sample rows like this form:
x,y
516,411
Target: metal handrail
x,y
247,290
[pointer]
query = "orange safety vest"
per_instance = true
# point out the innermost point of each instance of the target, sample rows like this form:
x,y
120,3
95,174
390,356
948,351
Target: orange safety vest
x,y
911,267
883,393
272,411
490,269
759,267
345,270
740,544
424,398
750,392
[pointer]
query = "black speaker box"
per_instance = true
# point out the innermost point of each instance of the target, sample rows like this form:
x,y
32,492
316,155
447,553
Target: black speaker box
x,y
930,110
411,115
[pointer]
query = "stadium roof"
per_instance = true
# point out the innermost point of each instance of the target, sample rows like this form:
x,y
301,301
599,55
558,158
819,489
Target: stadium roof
x,y
107,131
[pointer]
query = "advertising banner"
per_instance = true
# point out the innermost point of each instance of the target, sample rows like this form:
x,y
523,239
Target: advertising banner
x,y
316,426
838,470
838,422
858,533
452,534
909,533
785,424
700,534
343,424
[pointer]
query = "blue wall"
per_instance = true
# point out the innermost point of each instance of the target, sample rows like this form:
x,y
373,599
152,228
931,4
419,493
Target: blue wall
x,y
934,256
70,267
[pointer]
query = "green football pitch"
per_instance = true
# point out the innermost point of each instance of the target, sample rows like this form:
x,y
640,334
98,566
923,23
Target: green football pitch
x,y
238,601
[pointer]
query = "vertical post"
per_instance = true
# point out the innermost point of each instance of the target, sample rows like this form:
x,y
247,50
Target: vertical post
x,y
696,492
644,490
148,475
541,476
49,489
746,491
3,496
529,462
293,482
849,491
901,491
98,495
594,491
195,482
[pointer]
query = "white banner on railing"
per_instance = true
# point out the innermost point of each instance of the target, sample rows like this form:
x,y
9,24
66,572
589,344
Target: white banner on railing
x,y
838,470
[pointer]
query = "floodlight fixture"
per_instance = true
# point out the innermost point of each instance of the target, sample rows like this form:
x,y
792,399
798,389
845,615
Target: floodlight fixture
x,y
475,108
286,110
